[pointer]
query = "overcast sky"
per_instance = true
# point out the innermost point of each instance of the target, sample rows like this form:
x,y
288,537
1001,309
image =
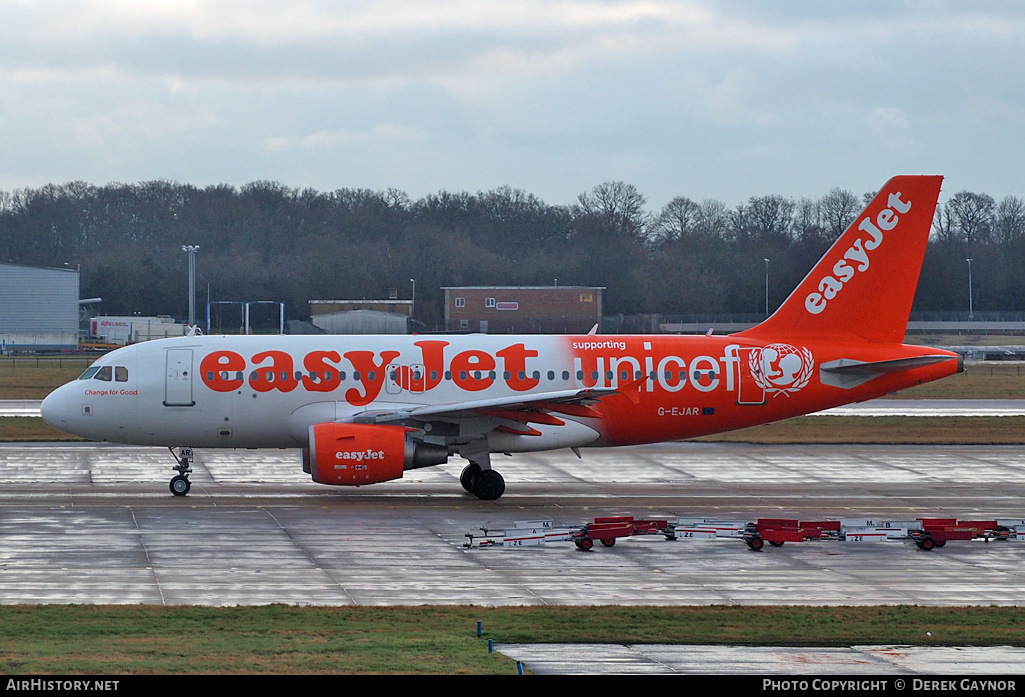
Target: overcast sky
x,y
706,99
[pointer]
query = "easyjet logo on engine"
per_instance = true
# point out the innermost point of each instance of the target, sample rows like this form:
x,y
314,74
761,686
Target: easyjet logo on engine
x,y
359,455
856,257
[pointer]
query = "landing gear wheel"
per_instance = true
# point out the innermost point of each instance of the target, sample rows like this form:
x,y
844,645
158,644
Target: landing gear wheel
x,y
488,485
756,543
180,485
470,472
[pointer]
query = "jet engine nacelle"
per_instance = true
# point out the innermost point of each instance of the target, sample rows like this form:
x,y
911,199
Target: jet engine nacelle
x,y
355,454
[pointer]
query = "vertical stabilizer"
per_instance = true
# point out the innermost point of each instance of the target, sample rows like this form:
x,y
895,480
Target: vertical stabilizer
x,y
864,285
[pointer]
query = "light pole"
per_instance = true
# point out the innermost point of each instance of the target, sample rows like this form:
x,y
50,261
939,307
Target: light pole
x,y
971,309
412,302
766,287
191,250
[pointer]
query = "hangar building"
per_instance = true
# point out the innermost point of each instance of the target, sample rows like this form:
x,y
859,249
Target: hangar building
x,y
38,309
362,316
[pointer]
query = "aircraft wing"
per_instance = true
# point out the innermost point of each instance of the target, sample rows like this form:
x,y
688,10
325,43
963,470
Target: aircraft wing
x,y
535,407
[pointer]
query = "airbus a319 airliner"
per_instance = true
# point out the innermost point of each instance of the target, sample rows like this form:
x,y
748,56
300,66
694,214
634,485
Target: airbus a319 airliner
x,y
364,409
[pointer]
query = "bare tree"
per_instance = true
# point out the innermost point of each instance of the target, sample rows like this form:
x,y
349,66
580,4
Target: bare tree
x,y
617,206
839,209
771,217
972,215
712,219
807,221
1009,220
677,220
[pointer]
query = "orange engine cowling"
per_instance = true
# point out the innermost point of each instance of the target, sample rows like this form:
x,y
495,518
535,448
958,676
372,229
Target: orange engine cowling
x,y
355,454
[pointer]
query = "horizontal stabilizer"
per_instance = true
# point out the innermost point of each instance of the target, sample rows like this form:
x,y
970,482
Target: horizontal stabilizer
x,y
849,372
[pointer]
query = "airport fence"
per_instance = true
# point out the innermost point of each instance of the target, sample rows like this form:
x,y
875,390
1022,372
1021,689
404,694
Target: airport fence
x,y
12,362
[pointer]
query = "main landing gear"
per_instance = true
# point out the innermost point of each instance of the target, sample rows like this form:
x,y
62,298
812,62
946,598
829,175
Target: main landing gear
x,y
485,484
180,483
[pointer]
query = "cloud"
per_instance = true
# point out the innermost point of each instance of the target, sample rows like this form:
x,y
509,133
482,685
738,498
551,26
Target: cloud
x,y
886,120
679,97
345,138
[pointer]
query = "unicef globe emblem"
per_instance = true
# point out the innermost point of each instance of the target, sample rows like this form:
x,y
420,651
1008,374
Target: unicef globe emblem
x,y
781,368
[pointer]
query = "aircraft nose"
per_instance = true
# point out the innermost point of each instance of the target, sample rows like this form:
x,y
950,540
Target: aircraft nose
x,y
55,408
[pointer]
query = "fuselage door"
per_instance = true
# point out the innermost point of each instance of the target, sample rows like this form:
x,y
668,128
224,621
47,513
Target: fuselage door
x,y
178,379
417,378
751,386
393,379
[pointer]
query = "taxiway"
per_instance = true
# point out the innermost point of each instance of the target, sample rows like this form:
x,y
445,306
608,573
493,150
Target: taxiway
x,y
89,523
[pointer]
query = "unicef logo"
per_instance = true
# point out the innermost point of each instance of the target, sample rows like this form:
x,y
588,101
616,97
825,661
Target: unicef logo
x,y
781,368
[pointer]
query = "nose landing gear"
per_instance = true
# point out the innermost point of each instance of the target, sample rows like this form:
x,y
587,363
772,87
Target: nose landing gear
x,y
180,484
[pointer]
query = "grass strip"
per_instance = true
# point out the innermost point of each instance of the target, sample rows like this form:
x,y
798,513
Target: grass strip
x,y
883,430
26,381
277,639
21,429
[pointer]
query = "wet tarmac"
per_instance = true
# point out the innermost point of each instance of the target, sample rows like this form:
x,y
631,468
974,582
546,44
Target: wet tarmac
x,y
87,523
97,524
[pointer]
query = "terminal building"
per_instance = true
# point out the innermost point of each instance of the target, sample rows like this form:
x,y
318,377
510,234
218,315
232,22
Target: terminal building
x,y
38,309
523,309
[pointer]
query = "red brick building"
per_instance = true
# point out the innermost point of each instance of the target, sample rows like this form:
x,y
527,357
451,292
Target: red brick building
x,y
522,309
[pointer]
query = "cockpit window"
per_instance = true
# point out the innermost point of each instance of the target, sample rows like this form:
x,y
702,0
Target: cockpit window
x,y
89,372
121,374
104,373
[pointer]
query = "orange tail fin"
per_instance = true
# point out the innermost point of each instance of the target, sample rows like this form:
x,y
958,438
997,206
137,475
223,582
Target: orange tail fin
x,y
864,285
